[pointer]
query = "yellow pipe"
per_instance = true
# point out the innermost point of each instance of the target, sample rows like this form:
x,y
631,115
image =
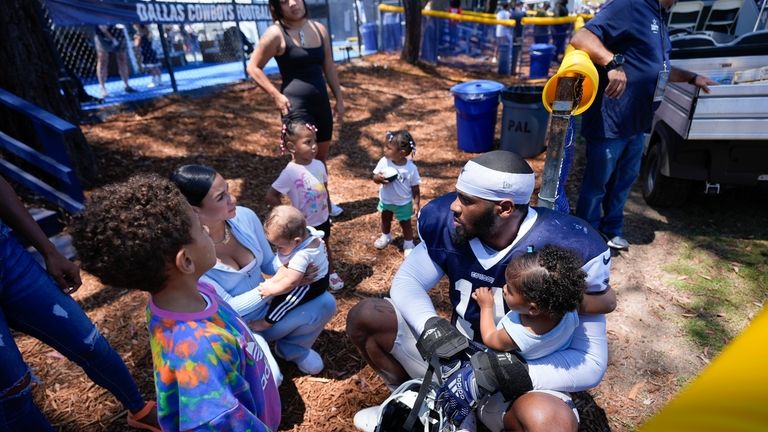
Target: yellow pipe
x,y
578,24
532,13
549,20
478,17
479,14
451,16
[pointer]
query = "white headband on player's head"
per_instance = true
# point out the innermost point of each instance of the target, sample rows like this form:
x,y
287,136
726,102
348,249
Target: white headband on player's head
x,y
495,185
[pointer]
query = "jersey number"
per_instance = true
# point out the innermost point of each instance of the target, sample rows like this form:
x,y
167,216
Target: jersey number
x,y
464,287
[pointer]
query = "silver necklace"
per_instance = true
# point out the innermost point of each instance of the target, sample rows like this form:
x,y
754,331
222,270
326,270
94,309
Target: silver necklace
x,y
302,40
301,37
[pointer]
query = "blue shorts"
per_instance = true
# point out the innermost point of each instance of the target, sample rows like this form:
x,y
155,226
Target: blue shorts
x,y
402,212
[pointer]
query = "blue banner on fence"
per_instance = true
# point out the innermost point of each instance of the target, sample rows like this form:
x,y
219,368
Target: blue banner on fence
x,y
76,12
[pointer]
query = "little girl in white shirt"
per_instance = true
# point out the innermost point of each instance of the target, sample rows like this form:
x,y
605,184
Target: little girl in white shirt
x,y
399,195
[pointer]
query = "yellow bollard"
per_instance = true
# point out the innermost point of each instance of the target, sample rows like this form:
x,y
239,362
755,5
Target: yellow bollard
x,y
576,27
575,62
578,24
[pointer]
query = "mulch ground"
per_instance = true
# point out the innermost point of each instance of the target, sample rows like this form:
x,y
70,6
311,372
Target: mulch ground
x,y
236,130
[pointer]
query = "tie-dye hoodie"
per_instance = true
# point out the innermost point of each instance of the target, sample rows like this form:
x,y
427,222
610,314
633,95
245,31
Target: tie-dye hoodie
x,y
209,372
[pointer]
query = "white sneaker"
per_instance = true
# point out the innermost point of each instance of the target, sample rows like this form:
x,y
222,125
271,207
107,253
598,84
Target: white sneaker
x,y
335,283
618,242
336,210
382,241
367,418
407,247
312,364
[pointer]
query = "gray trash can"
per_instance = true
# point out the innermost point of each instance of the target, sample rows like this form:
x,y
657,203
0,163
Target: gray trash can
x,y
524,120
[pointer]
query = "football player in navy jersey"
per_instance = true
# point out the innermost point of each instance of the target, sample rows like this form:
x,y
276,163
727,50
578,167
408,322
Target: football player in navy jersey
x,y
470,236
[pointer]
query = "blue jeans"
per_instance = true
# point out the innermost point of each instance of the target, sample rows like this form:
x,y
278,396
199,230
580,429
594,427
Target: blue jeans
x,y
297,331
613,165
32,303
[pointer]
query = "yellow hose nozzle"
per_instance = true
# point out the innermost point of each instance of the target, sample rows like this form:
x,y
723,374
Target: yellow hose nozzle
x,y
574,62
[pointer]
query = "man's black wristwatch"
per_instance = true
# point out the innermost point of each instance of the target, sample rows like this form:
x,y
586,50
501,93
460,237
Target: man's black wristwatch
x,y
616,62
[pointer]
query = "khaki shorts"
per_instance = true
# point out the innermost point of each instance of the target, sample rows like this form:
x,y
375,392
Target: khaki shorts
x,y
490,411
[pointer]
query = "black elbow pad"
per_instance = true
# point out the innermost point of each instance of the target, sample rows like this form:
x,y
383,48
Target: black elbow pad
x,y
501,372
440,338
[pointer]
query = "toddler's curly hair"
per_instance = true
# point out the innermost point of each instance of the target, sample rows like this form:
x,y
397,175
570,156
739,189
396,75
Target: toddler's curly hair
x,y
403,139
552,278
130,232
292,123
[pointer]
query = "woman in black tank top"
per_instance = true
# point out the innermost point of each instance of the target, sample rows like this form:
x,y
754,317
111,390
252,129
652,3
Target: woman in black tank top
x,y
302,49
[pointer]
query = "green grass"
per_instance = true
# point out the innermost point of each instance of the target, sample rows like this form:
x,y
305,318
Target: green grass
x,y
683,381
725,280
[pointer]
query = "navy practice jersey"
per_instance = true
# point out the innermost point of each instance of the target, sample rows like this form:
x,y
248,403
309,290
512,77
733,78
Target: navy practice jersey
x,y
475,265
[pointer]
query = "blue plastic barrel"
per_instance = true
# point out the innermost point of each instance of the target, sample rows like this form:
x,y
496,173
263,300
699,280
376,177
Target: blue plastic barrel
x,y
391,32
429,39
476,106
368,33
505,59
541,57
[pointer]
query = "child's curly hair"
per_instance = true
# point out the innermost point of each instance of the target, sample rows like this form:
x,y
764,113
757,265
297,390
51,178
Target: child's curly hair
x,y
130,232
552,278
292,122
403,139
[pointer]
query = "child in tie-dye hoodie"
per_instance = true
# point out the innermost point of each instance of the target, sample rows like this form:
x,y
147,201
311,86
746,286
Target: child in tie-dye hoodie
x,y
210,373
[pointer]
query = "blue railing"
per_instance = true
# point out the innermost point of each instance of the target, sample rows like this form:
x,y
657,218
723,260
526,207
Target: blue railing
x,y
62,187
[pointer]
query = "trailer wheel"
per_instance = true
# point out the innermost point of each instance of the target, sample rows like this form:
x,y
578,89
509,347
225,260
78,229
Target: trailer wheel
x,y
658,189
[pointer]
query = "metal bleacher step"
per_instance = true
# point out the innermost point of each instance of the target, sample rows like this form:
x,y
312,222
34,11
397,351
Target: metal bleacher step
x,y
47,219
51,225
63,243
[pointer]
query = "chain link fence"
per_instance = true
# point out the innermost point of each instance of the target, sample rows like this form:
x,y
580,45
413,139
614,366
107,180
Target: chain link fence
x,y
469,40
151,59
140,61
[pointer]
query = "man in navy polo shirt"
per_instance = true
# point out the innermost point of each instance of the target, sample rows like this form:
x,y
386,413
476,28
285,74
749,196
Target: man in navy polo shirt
x,y
629,42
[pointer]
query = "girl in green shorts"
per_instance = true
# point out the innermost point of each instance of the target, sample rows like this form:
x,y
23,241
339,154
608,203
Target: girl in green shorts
x,y
399,191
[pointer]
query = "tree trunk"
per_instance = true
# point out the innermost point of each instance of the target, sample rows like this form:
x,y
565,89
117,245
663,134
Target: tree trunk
x,y
410,53
492,4
30,71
